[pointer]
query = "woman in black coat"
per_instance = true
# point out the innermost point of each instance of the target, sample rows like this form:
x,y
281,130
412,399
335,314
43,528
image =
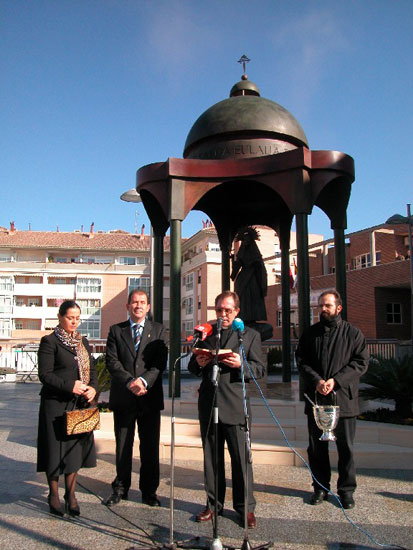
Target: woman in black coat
x,y
68,376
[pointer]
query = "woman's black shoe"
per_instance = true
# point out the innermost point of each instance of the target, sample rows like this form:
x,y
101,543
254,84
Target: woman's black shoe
x,y
71,510
55,511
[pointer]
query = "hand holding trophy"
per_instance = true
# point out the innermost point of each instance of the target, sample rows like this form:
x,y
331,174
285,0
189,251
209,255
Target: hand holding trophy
x,y
326,417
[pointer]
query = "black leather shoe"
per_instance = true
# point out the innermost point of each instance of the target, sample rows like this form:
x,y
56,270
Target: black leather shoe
x,y
318,496
115,498
151,500
347,501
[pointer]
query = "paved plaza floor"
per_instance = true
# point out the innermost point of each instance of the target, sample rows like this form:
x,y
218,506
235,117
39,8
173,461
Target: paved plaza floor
x,y
384,502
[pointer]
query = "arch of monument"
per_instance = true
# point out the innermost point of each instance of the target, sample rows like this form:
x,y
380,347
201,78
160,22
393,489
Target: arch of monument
x,y
246,161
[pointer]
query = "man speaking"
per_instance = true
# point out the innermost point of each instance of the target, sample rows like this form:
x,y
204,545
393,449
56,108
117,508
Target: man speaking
x,y
229,400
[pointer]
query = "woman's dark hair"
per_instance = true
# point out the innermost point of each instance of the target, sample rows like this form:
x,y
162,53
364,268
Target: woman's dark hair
x,y
67,304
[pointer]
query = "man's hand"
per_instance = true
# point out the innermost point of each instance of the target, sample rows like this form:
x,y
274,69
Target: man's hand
x,y
325,386
137,387
233,361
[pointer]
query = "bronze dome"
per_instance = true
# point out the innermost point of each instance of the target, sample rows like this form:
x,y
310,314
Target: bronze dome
x,y
243,126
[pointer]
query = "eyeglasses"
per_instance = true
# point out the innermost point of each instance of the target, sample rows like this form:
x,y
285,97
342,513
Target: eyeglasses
x,y
223,310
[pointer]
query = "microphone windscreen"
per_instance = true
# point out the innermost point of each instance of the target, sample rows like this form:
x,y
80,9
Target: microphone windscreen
x,y
203,331
238,324
219,324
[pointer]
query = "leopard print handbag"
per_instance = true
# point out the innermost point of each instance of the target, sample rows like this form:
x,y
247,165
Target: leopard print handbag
x,y
80,421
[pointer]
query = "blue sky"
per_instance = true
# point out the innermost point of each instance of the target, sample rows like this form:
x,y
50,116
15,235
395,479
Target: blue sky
x,y
91,90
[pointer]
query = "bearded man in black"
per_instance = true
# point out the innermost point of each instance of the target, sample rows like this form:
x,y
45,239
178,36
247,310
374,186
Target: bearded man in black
x,y
331,357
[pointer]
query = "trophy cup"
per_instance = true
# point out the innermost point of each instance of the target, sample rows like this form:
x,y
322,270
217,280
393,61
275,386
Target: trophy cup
x,y
326,417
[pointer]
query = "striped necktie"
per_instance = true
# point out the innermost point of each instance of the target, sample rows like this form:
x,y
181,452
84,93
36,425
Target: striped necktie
x,y
136,335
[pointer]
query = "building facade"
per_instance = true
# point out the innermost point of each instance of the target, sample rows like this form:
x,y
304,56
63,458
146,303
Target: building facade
x,y
39,270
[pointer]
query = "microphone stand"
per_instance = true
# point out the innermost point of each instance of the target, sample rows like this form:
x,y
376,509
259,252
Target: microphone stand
x,y
216,542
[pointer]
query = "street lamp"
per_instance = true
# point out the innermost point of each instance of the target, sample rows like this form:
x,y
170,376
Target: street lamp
x,y
133,196
398,219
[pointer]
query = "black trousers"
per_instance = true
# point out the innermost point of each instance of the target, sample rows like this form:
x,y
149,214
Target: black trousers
x,y
319,460
149,433
234,435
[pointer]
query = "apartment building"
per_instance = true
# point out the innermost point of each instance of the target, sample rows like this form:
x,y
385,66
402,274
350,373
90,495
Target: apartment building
x,y
39,270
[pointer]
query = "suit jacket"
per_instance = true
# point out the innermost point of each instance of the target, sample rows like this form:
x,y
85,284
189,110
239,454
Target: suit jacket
x,y
338,352
58,368
229,395
124,363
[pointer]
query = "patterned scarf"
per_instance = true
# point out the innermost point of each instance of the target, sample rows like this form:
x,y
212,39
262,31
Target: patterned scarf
x,y
75,342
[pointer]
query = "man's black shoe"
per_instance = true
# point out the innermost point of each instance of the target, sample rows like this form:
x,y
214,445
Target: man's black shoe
x,y
347,501
151,500
318,496
115,498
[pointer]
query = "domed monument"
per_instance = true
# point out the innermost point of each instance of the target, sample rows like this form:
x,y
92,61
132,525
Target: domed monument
x,y
250,156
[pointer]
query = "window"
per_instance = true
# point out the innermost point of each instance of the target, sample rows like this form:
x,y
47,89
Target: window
x,y
5,325
394,314
129,260
5,304
88,285
60,260
29,280
33,301
279,318
4,258
61,281
89,328
94,260
49,324
188,304
189,281
141,283
6,283
89,307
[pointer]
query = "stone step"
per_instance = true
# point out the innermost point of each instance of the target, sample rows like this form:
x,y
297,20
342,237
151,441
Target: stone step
x,y
377,445
268,452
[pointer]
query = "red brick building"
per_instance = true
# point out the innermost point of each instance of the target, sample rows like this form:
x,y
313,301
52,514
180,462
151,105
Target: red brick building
x,y
378,282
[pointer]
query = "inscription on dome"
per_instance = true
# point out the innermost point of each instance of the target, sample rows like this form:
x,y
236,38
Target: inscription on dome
x,y
240,149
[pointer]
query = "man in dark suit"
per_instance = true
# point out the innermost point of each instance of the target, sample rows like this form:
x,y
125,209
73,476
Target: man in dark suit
x,y
331,356
136,356
231,418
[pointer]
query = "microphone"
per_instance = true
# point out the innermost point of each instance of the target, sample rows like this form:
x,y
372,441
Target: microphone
x,y
238,324
200,333
219,327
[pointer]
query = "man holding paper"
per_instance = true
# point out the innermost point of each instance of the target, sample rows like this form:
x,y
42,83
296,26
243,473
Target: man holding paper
x,y
231,419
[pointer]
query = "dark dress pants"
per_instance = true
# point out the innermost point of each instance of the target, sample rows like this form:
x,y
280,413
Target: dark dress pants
x,y
234,435
148,431
319,460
